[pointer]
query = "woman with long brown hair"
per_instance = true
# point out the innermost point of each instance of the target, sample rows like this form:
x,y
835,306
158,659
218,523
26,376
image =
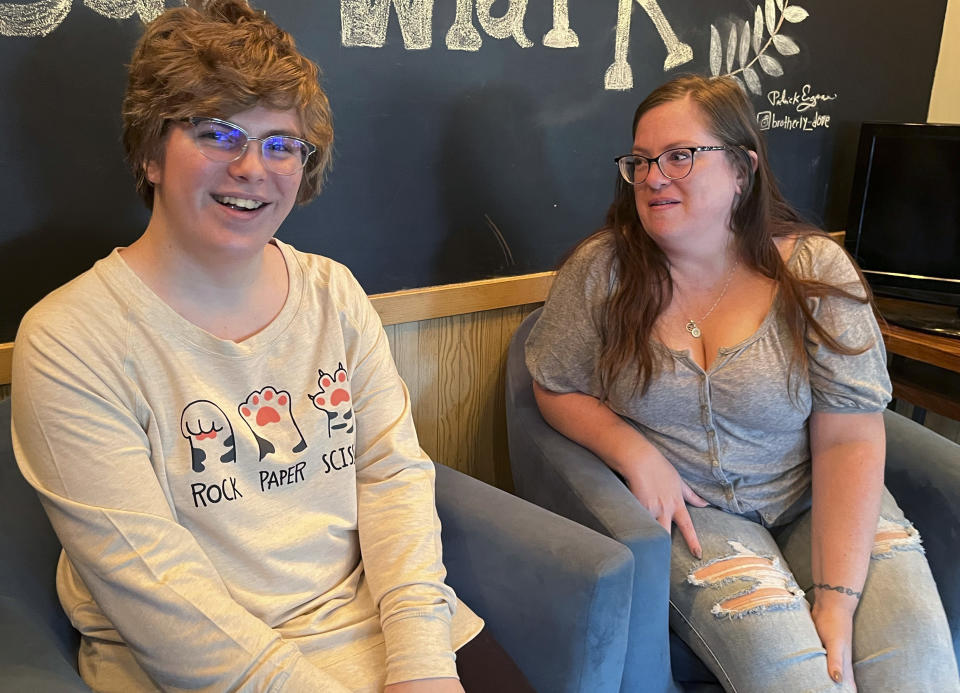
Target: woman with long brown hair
x,y
723,358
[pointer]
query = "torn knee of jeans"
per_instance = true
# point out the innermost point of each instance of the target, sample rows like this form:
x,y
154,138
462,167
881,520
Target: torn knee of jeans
x,y
895,535
769,586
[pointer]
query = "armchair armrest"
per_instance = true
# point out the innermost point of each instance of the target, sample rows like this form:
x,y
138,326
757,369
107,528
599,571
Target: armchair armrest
x,y
556,595
923,474
560,475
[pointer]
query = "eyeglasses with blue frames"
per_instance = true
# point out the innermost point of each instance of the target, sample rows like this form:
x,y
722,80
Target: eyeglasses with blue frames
x,y
223,141
674,163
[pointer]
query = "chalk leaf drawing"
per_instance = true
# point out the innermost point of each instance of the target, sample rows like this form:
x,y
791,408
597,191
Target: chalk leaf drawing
x,y
40,18
742,38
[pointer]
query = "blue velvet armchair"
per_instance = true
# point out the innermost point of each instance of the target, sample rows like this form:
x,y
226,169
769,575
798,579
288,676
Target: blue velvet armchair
x,y
922,472
555,594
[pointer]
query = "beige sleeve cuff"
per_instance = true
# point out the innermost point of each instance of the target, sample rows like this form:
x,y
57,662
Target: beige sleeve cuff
x,y
418,648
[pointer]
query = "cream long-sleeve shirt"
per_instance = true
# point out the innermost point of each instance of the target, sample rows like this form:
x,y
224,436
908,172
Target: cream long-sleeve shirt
x,y
252,516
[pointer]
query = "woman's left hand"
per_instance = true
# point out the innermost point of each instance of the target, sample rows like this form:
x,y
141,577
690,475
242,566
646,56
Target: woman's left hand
x,y
446,685
833,618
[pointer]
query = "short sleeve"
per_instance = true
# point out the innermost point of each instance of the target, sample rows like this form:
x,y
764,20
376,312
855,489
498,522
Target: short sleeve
x,y
842,382
563,348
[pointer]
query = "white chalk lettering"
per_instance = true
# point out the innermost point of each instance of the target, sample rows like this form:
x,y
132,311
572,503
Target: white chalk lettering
x,y
619,75
463,36
510,24
561,35
123,9
214,493
364,23
35,19
275,478
768,120
40,18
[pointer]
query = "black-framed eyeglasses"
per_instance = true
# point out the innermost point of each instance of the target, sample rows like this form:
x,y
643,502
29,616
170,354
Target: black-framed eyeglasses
x,y
674,163
223,141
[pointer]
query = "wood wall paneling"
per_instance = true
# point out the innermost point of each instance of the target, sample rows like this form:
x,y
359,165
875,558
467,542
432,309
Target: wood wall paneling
x,y
456,299
454,370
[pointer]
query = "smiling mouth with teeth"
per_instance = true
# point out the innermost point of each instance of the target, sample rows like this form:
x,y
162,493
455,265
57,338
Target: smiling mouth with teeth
x,y
239,202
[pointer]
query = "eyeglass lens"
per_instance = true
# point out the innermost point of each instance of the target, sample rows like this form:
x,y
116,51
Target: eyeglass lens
x,y
222,142
674,164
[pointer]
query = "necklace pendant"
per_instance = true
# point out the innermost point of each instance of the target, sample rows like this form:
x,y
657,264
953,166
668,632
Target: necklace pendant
x,y
693,329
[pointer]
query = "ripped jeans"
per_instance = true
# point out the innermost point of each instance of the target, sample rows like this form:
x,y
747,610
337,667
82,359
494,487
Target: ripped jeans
x,y
744,609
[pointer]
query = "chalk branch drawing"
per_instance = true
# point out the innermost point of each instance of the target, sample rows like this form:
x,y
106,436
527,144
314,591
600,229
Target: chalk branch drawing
x,y
738,49
40,18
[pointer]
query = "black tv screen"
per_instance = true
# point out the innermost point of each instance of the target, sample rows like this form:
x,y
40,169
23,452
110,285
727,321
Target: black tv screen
x,y
904,221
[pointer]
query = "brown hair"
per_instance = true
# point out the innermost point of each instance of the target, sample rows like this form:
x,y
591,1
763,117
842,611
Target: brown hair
x,y
217,59
759,215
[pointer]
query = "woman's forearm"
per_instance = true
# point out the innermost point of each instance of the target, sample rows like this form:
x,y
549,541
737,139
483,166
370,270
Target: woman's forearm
x,y
585,420
848,456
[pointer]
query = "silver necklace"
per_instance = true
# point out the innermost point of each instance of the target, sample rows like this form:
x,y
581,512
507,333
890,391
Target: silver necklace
x,y
691,325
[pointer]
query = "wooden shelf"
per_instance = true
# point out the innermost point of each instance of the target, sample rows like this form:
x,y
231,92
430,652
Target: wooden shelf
x,y
943,352
924,368
925,385
937,350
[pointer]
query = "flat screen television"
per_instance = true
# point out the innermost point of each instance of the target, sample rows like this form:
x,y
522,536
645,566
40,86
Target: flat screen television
x,y
903,225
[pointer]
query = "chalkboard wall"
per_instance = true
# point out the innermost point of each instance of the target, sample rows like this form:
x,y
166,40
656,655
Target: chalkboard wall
x,y
466,147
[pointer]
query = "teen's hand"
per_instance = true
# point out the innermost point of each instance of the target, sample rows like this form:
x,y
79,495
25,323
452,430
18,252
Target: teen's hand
x,y
446,685
657,485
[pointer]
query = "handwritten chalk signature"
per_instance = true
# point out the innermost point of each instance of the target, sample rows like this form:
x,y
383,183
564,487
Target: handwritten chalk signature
x,y
802,100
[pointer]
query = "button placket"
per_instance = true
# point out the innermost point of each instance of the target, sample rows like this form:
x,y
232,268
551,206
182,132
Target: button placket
x,y
711,432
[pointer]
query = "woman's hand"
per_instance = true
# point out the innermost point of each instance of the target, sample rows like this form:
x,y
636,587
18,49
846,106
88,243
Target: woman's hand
x,y
446,685
657,485
651,478
833,618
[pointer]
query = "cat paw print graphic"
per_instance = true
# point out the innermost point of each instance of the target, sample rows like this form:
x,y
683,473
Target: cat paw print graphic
x,y
334,400
268,414
207,428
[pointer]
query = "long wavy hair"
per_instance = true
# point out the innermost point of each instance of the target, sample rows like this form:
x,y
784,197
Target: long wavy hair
x,y
759,215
